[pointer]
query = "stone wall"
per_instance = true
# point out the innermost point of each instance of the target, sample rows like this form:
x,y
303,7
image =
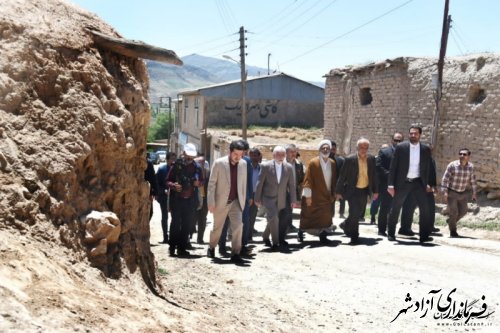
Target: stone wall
x,y
402,94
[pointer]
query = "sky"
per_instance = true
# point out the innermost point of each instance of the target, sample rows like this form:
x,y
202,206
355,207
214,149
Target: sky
x,y
305,38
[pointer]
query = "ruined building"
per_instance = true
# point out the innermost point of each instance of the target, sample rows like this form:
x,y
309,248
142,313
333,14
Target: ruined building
x,y
378,99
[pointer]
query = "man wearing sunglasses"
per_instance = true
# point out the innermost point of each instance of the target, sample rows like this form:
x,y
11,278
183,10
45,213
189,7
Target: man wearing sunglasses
x,y
383,164
458,178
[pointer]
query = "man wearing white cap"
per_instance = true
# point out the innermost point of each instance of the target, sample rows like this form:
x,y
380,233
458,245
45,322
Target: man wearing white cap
x,y
183,177
318,194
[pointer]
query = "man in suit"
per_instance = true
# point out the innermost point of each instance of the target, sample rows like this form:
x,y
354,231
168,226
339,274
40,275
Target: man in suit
x,y
339,162
227,189
163,193
298,171
357,180
409,175
182,179
255,158
383,165
276,181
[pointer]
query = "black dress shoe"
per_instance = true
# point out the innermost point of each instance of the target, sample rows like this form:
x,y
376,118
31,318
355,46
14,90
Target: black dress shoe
x,y
189,246
245,251
171,251
183,253
267,243
322,238
406,232
426,239
236,259
292,228
284,243
391,238
300,236
275,248
435,229
222,251
382,233
354,241
211,253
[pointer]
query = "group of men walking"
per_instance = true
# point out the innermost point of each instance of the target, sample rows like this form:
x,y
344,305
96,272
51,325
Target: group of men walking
x,y
401,176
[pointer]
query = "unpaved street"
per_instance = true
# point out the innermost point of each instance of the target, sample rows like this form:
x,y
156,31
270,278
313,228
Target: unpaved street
x,y
337,287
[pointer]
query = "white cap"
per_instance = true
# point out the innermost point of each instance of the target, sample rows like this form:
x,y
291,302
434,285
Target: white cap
x,y
190,150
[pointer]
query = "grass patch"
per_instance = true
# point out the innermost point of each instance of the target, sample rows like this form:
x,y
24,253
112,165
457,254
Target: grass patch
x,y
162,271
488,225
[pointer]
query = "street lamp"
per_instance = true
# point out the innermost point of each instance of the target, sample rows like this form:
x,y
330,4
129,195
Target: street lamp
x,y
243,96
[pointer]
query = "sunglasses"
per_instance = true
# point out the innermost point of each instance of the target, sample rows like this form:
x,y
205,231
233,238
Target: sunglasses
x,y
396,140
463,154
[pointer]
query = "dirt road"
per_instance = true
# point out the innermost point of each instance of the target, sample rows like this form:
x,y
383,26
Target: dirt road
x,y
335,287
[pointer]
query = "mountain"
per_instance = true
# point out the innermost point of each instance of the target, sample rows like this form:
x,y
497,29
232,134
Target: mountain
x,y
198,71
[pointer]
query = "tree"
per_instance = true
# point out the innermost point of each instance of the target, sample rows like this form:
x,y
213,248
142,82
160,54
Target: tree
x,y
160,128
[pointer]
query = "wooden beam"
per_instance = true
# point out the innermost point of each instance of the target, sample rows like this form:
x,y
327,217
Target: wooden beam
x,y
134,49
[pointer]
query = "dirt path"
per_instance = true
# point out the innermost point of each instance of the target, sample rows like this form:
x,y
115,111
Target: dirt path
x,y
337,287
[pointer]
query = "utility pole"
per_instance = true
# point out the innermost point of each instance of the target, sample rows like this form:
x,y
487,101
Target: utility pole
x,y
268,58
243,85
442,54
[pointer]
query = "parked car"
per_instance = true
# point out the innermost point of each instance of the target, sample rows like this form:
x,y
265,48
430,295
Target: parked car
x,y
162,156
153,157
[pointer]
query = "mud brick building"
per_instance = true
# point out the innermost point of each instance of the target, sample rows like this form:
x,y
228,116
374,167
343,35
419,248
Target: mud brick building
x,y
379,98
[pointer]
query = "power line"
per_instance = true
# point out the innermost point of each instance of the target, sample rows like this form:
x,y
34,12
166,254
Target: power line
x,y
302,24
349,32
455,28
225,15
456,42
277,20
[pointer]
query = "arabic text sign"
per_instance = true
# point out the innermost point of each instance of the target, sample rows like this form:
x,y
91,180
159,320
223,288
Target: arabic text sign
x,y
449,310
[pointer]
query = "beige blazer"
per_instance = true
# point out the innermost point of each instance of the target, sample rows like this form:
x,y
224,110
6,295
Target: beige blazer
x,y
219,184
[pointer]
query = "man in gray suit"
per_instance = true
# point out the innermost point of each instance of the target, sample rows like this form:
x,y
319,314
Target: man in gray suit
x,y
276,179
226,197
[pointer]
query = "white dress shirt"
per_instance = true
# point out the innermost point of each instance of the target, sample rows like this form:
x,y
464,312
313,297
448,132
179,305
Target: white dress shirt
x,y
414,166
278,167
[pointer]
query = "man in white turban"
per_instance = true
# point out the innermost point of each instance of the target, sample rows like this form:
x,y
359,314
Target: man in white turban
x,y
318,194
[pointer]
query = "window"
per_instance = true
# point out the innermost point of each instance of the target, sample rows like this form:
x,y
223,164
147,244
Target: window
x,y
197,108
185,109
476,95
365,96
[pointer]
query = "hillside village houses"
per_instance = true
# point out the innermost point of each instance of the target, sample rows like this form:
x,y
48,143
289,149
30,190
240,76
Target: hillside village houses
x,y
272,100
372,100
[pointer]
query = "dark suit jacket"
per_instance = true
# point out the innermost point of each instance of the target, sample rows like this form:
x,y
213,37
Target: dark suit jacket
x,y
383,163
349,176
401,162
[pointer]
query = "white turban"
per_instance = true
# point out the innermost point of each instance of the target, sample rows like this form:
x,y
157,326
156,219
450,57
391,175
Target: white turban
x,y
325,142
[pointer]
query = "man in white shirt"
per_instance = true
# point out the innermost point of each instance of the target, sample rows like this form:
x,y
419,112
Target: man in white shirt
x,y
409,175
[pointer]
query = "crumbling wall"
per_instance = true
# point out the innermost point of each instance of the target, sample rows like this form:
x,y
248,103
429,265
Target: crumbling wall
x,y
73,122
402,94
371,102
